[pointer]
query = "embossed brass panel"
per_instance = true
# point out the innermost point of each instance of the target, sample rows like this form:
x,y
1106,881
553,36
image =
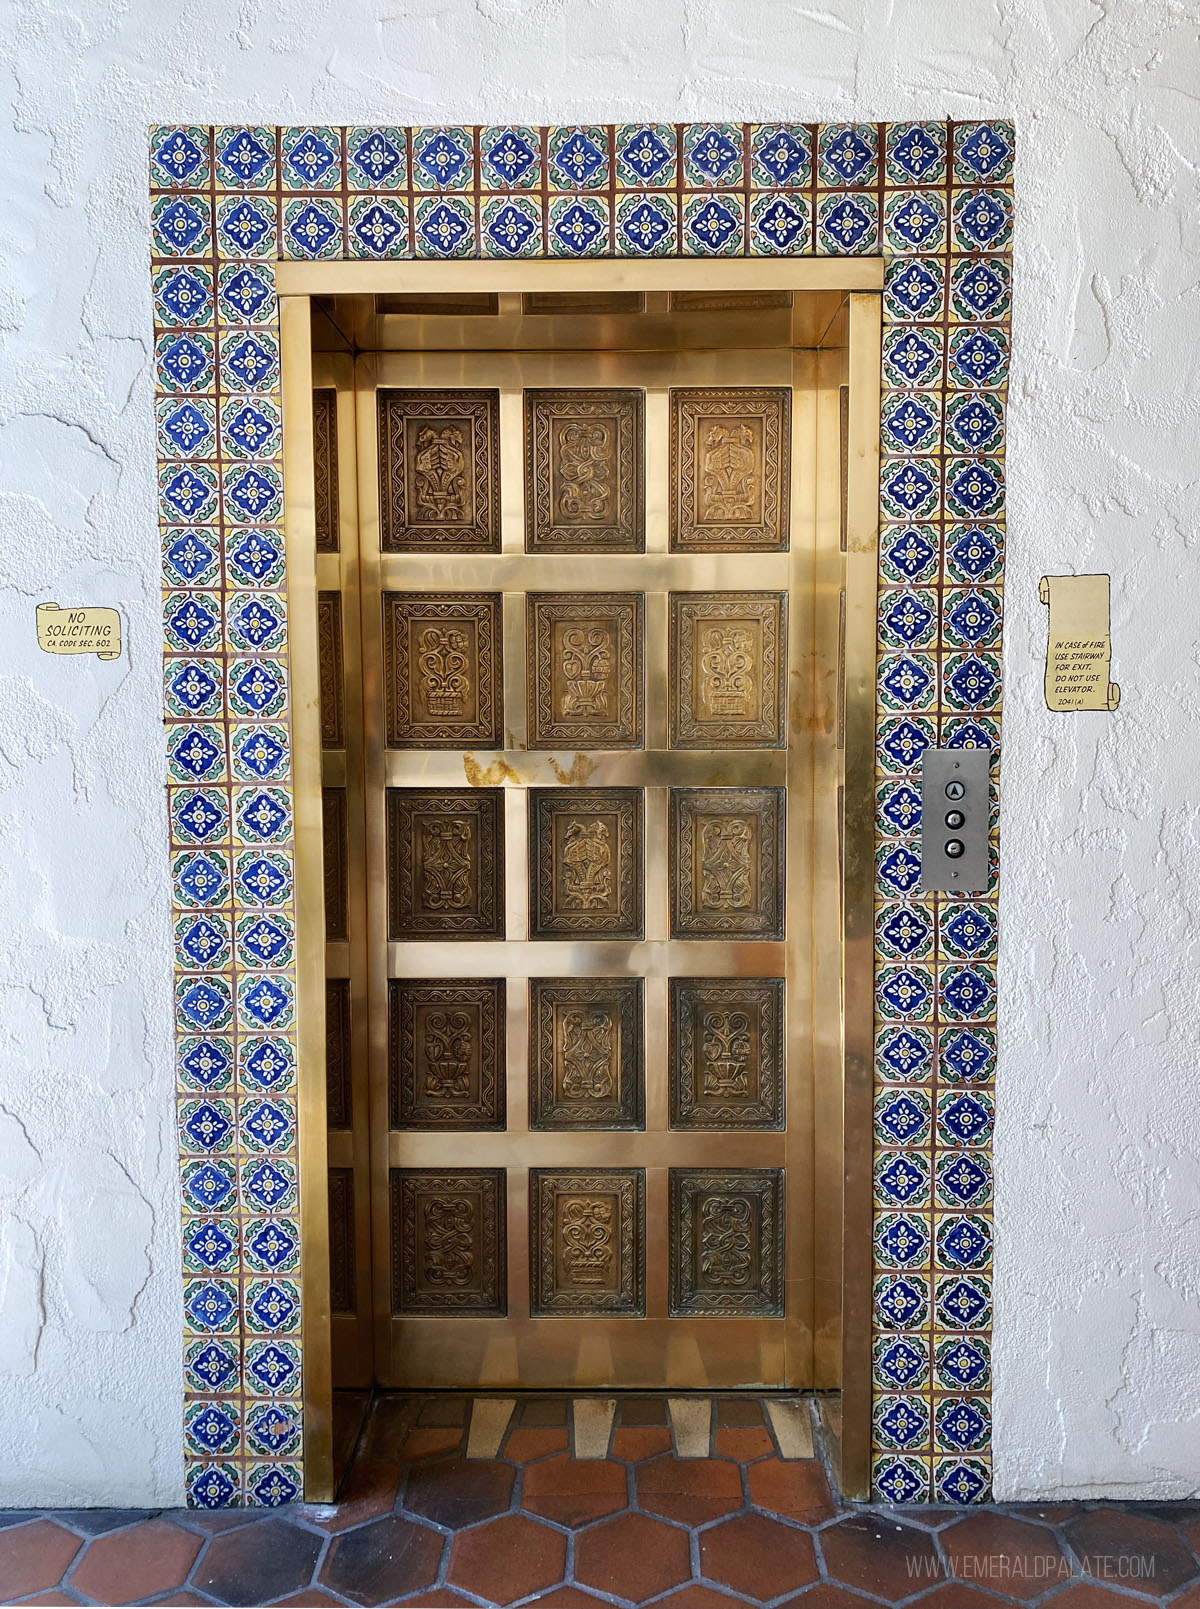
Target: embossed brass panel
x,y
339,1095
446,1054
585,1053
325,469
728,670
730,469
439,471
584,670
727,870
443,669
337,911
587,1246
583,471
448,1241
585,859
333,680
727,1241
445,863
727,1058
343,1282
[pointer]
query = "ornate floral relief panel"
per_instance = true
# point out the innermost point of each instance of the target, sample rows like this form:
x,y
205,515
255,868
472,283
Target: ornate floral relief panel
x,y
584,670
448,1241
333,681
728,670
339,1108
584,477
443,670
585,1054
325,469
446,1054
439,471
336,852
726,1236
445,863
726,1056
343,1284
587,1241
730,469
585,862
726,862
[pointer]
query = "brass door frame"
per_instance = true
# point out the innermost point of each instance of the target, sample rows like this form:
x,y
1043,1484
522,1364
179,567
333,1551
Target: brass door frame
x,y
844,724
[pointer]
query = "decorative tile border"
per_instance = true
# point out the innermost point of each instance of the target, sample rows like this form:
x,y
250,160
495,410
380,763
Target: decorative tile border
x,y
935,199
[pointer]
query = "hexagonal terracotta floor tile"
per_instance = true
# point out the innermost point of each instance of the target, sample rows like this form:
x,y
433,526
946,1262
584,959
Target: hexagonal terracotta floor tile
x,y
690,1490
386,1559
453,1492
574,1491
698,1596
632,1557
569,1598
797,1489
757,1557
827,1596
507,1559
1087,1595
370,1491
138,1562
743,1443
528,1442
33,1556
437,1598
957,1595
635,1442
1051,1513
878,1555
1005,1555
265,1560
423,1443
1126,1550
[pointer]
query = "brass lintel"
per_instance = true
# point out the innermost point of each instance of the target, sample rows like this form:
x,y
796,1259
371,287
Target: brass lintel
x,y
294,278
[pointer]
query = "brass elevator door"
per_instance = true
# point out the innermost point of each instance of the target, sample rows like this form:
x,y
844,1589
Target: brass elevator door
x,y
583,593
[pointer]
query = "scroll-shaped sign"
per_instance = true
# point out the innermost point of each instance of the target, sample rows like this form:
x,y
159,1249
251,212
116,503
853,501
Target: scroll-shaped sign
x,y
1079,652
94,630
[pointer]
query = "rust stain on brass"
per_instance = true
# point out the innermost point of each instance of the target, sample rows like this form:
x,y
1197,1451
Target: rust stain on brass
x,y
490,775
580,770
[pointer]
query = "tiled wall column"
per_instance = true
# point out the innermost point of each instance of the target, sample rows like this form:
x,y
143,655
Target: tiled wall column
x,y
934,199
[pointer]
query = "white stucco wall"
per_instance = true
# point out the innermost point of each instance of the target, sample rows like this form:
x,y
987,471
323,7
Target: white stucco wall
x,y
1098,1310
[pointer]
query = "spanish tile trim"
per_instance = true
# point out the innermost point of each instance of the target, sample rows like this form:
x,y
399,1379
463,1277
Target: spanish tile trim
x,y
935,200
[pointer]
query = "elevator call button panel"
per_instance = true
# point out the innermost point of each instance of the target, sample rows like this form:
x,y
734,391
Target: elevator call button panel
x,y
954,820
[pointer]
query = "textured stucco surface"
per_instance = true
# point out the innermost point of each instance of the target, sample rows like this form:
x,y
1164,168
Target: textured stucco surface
x,y
1098,1318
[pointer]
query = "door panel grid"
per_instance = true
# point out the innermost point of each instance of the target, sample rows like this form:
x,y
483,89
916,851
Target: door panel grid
x,y
586,792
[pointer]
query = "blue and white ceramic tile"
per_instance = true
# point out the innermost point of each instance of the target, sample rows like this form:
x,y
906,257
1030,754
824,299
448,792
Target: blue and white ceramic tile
x,y
311,159
180,157
248,226
647,156
379,227
376,159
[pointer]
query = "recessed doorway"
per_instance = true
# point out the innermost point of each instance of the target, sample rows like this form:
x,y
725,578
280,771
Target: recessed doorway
x,y
586,611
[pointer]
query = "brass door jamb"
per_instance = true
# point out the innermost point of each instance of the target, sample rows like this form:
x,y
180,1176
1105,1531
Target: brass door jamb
x,y
300,526
862,279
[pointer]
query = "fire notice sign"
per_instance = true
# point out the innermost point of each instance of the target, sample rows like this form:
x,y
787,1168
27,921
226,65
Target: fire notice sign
x,y
1079,651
